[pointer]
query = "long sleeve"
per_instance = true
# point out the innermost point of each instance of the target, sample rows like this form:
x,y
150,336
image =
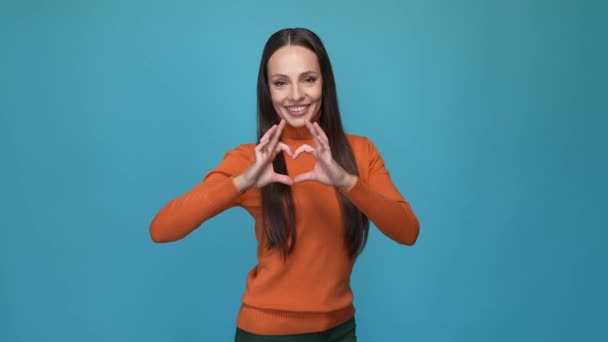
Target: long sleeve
x,y
379,199
214,194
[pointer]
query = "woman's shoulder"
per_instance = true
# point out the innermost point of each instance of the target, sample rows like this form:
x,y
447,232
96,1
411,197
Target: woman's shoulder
x,y
237,159
360,143
241,151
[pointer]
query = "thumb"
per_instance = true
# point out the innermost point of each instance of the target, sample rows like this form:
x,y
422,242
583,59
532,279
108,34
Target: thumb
x,y
282,179
307,176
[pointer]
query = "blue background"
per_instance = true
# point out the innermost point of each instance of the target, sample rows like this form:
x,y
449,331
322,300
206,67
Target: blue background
x,y
491,116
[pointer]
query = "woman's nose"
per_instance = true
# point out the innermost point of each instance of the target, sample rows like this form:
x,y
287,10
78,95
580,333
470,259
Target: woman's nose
x,y
296,93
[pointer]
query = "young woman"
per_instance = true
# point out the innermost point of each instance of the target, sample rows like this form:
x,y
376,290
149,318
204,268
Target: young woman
x,y
312,190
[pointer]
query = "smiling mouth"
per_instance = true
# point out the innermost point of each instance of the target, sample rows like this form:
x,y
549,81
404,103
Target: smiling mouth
x,y
297,110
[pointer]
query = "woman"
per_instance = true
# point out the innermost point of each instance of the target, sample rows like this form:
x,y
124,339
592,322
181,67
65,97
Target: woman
x,y
312,191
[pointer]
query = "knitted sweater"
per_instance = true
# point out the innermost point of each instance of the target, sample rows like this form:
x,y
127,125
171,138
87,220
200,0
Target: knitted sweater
x,y
310,290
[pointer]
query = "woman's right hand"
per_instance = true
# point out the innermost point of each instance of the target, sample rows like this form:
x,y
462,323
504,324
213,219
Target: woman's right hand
x,y
261,172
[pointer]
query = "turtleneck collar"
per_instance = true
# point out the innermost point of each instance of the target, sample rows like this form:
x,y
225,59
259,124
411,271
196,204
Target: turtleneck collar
x,y
298,133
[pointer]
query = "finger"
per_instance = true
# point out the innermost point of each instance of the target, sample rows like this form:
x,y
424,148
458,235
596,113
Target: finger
x,y
307,176
304,148
322,140
265,138
282,179
322,135
313,131
263,143
261,150
268,133
285,148
281,147
311,128
277,134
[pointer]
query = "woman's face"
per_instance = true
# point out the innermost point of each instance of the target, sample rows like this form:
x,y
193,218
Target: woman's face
x,y
295,84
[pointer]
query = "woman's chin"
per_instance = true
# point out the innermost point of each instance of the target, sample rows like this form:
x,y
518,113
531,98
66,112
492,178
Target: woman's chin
x,y
296,121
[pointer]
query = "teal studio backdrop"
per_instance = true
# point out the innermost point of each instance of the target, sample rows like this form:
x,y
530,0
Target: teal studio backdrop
x,y
491,116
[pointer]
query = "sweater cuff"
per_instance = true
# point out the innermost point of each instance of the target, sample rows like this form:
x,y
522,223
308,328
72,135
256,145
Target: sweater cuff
x,y
224,192
361,194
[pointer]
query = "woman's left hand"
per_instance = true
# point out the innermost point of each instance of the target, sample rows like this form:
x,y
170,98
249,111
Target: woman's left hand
x,y
326,171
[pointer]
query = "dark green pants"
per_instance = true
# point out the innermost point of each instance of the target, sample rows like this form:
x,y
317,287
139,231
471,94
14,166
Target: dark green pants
x,y
344,332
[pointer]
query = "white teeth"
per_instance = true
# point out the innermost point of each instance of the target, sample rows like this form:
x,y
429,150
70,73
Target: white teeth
x,y
296,109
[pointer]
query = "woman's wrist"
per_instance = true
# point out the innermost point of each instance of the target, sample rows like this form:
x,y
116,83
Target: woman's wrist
x,y
348,183
241,183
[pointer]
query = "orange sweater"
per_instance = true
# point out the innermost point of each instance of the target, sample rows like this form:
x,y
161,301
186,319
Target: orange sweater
x,y
309,291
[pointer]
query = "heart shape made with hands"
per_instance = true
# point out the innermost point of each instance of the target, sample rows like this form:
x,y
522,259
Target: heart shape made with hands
x,y
326,170
304,148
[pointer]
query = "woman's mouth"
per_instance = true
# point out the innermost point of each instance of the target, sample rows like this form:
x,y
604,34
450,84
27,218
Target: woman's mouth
x,y
297,110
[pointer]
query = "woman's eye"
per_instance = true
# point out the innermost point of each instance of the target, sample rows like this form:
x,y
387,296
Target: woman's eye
x,y
279,83
310,80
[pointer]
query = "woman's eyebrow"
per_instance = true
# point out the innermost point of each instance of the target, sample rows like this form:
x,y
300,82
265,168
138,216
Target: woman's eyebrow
x,y
309,73
305,73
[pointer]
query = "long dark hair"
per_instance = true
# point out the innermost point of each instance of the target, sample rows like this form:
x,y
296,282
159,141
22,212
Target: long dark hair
x,y
278,210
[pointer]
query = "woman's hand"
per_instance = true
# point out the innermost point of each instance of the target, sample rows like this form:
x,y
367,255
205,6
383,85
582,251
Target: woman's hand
x,y
326,171
261,172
